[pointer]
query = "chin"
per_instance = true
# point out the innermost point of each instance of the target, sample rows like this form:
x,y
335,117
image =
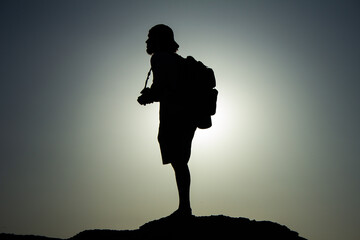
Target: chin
x,y
149,51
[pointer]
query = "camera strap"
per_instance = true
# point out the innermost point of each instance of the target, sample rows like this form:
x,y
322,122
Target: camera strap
x,y
147,78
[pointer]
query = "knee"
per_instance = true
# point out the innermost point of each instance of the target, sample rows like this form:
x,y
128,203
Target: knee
x,y
180,167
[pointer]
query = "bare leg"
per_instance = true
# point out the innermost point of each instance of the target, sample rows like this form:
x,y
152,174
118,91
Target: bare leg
x,y
182,175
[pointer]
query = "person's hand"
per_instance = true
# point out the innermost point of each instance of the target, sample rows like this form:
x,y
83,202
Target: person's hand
x,y
145,97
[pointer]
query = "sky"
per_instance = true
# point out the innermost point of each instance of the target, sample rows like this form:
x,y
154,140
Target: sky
x,y
78,152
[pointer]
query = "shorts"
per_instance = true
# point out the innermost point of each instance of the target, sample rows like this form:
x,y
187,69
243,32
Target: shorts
x,y
175,142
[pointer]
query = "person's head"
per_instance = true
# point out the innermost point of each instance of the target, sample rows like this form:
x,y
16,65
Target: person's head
x,y
161,38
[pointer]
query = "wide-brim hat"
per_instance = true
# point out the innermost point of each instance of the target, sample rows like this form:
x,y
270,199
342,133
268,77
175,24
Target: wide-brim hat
x,y
163,33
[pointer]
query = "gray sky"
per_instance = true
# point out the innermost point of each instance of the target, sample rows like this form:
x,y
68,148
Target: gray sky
x,y
78,152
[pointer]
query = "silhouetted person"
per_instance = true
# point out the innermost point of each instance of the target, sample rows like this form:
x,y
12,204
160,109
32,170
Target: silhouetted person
x,y
177,125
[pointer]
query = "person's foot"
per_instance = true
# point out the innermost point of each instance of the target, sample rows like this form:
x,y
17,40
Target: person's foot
x,y
182,213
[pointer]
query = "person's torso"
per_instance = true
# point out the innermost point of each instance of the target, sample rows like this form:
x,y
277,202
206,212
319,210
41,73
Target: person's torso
x,y
169,73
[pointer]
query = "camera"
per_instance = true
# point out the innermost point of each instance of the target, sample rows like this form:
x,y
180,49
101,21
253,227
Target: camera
x,y
145,97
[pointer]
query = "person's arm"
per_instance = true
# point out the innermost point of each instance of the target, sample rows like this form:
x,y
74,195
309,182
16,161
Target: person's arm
x,y
157,91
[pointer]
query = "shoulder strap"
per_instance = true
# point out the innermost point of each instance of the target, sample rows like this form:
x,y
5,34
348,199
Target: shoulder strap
x,y
147,78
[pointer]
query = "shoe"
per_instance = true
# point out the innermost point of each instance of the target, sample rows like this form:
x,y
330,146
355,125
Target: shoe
x,y
181,213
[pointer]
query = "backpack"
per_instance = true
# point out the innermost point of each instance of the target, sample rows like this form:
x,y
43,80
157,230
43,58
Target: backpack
x,y
197,90
200,89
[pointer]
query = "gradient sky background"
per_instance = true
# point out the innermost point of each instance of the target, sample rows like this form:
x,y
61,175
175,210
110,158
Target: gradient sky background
x,y
78,152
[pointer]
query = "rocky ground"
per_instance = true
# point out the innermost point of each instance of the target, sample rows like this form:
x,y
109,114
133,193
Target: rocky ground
x,y
209,227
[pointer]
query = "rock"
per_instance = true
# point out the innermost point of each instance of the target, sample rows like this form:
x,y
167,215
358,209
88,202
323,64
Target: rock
x,y
210,227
